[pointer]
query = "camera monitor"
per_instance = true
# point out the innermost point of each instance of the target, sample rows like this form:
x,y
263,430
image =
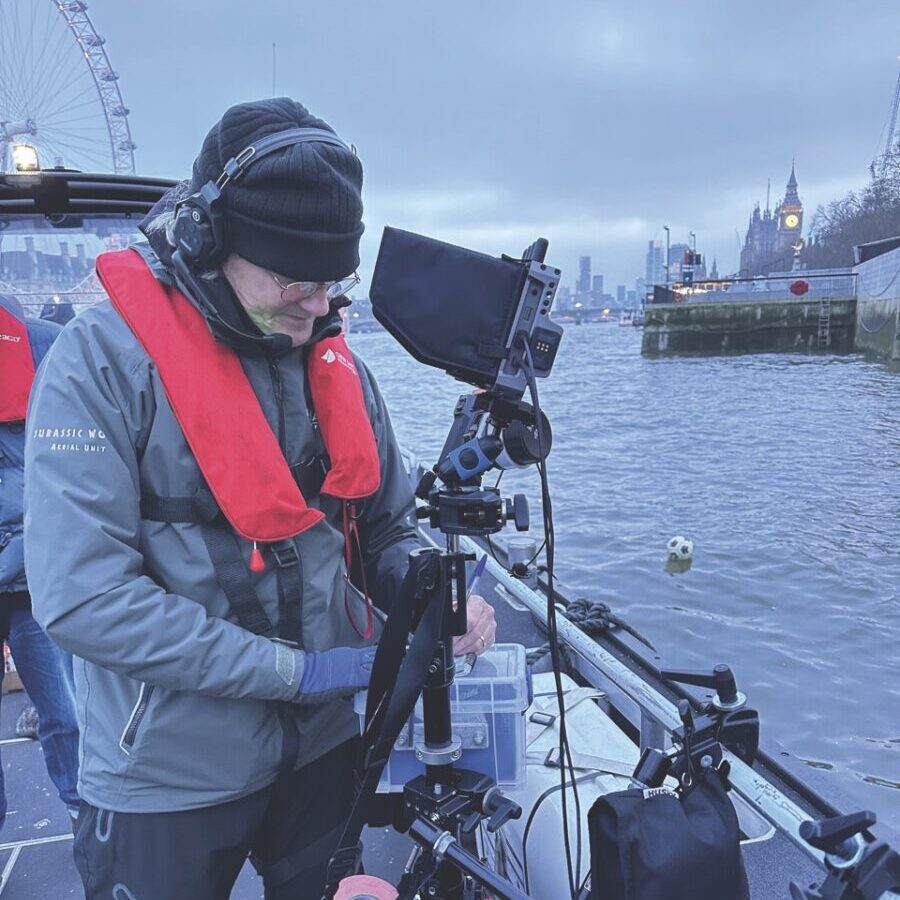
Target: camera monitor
x,y
466,312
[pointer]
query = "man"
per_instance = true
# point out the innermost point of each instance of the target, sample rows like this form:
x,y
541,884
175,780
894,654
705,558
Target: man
x,y
205,466
44,670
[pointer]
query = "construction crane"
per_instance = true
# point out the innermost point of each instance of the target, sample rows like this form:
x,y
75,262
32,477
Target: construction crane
x,y
890,143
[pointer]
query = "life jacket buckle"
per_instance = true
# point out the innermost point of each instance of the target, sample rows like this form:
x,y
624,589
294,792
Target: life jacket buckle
x,y
285,554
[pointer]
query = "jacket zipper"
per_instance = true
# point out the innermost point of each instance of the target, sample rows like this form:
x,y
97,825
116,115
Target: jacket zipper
x,y
137,714
278,390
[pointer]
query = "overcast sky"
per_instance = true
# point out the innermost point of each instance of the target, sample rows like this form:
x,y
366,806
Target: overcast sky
x,y
491,122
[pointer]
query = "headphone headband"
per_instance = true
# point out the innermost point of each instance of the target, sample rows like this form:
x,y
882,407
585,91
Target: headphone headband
x,y
199,229
237,165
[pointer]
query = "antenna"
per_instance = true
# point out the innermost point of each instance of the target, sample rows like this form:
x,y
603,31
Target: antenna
x,y
768,192
273,68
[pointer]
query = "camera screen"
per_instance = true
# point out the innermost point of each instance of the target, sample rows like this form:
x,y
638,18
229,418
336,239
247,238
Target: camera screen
x,y
449,307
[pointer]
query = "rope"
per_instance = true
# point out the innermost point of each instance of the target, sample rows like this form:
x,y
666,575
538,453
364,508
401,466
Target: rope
x,y
889,320
861,282
593,617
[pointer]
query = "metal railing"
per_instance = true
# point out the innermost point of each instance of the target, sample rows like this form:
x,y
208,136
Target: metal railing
x,y
802,286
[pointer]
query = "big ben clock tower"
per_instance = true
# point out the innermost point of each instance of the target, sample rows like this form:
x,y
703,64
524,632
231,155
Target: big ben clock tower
x,y
790,221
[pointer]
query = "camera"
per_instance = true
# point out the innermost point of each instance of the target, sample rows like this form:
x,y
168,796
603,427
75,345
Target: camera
x,y
468,313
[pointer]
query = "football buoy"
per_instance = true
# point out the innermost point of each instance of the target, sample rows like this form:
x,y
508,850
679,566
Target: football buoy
x,y
680,548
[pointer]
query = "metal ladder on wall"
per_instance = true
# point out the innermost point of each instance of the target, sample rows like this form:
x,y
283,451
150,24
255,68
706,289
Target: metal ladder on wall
x,y
824,322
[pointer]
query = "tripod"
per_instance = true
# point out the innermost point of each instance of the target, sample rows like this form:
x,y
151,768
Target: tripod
x,y
443,808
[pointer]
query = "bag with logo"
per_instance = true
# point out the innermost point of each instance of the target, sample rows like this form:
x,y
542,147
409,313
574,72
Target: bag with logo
x,y
656,844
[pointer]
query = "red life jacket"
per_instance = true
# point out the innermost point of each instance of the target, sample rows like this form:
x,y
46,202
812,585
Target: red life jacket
x,y
224,425
16,367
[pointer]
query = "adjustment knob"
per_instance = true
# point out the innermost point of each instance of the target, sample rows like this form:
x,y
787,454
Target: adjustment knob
x,y
426,483
520,512
721,679
829,835
500,809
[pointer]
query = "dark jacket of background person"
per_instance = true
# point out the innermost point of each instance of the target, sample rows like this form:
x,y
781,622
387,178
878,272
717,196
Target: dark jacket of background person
x,y
41,335
177,702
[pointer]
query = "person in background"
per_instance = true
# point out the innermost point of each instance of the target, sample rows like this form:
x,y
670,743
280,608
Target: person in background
x,y
208,465
44,669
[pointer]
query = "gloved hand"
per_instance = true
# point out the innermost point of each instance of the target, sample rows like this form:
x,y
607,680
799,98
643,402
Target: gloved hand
x,y
335,673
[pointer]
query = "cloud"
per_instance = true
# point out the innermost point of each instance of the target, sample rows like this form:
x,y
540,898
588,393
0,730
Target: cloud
x,y
431,208
480,219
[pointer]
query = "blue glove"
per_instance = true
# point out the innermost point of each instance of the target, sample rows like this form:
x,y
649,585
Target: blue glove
x,y
335,673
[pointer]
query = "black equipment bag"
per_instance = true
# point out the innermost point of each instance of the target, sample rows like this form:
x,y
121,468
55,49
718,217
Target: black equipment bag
x,y
655,844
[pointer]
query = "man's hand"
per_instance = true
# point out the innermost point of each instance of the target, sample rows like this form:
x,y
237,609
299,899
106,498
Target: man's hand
x,y
482,628
341,671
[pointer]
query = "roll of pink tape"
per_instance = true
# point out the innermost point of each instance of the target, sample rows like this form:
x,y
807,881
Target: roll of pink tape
x,y
365,887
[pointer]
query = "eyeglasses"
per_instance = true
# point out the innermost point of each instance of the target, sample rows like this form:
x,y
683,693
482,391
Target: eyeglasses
x,y
295,291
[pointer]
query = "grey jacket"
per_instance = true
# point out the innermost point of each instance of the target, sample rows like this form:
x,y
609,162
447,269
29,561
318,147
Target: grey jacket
x,y
175,700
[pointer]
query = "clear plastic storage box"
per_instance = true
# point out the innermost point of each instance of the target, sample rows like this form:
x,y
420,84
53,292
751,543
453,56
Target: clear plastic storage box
x,y
488,709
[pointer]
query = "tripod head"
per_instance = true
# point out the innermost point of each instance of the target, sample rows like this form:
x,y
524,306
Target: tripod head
x,y
488,431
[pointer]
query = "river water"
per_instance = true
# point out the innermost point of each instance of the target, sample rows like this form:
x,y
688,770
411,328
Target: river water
x,y
785,473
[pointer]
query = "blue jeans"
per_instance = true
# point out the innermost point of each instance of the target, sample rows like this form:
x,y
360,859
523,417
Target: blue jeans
x,y
46,673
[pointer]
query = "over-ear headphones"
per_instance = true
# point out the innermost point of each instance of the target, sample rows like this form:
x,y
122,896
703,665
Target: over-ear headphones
x,y
199,230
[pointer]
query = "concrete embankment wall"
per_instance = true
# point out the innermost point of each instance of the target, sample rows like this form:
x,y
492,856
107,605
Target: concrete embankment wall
x,y
782,326
878,306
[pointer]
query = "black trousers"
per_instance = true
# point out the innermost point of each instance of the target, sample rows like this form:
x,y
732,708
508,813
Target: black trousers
x,y
289,830
10,602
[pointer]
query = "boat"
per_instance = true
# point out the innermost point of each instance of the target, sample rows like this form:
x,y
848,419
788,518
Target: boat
x,y
618,703
626,318
618,699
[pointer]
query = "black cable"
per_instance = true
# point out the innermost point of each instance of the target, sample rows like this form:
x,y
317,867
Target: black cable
x,y
565,753
537,553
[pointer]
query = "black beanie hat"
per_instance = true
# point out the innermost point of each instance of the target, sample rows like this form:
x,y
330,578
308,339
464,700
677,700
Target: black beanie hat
x,y
296,212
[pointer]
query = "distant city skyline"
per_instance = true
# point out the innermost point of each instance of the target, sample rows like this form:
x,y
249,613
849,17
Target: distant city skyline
x,y
766,244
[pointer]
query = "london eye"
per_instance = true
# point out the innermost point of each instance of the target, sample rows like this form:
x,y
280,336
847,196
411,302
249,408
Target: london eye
x,y
58,90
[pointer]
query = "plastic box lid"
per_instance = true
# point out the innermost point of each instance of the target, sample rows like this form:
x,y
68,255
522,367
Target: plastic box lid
x,y
496,683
